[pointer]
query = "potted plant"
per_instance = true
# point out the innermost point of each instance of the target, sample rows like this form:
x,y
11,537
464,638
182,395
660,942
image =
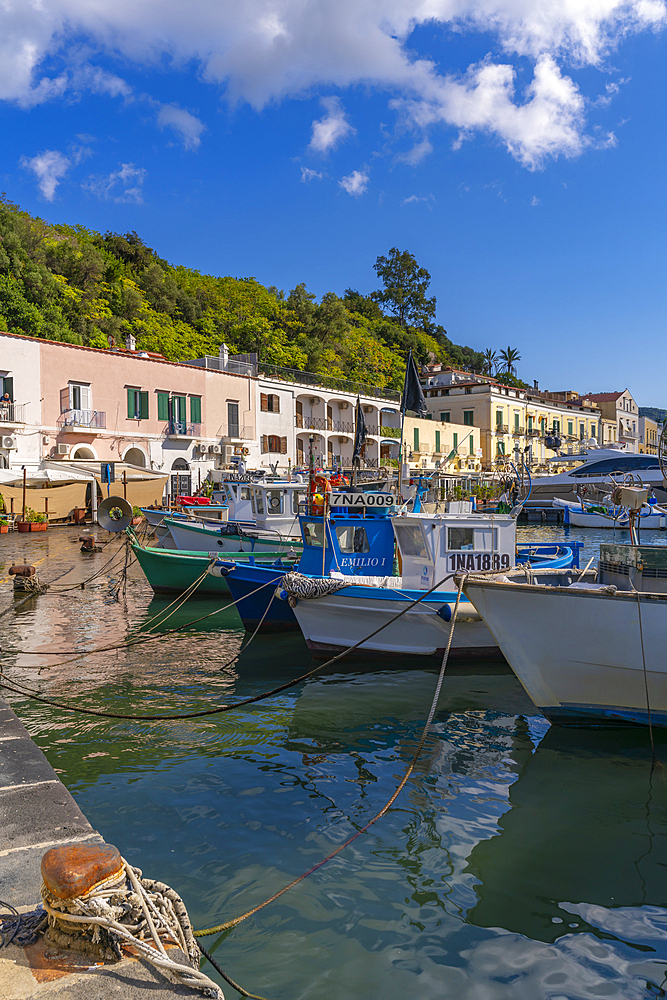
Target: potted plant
x,y
36,522
4,526
137,516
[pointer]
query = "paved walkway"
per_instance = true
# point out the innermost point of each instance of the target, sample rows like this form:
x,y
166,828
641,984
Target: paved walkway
x,y
36,813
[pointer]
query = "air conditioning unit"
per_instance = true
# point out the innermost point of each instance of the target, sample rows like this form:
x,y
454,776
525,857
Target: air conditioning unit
x,y
214,449
343,405
314,400
46,439
227,453
368,409
62,449
201,448
9,442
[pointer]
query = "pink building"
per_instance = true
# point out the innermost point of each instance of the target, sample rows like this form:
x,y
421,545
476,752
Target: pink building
x,y
132,407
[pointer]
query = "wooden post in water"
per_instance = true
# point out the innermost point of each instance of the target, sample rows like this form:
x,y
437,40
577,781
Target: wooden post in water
x,y
125,484
46,509
24,486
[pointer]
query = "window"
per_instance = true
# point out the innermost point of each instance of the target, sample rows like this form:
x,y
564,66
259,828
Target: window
x,y
313,534
582,431
468,389
351,539
516,421
195,409
258,502
178,409
233,419
416,439
472,444
557,425
77,396
273,443
460,538
274,501
8,386
411,540
570,428
499,418
269,403
437,442
529,423
500,448
467,417
445,417
137,404
455,441
163,406
445,392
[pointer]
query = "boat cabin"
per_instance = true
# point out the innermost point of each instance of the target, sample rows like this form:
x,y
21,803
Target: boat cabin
x,y
355,544
433,547
272,505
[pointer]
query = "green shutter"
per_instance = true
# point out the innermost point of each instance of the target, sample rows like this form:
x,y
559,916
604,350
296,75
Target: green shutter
x,y
195,409
180,409
130,404
437,442
416,438
143,405
163,406
455,441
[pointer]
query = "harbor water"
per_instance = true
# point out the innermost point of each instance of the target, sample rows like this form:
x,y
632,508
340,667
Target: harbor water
x,y
520,861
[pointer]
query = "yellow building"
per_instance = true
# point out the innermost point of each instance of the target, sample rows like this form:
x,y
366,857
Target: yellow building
x,y
517,422
649,433
450,447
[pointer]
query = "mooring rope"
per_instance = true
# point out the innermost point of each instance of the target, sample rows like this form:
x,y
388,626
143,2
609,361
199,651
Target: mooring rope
x,y
19,688
206,932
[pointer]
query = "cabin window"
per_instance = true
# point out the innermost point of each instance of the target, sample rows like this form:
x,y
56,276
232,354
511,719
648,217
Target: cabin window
x,y
483,539
274,501
411,540
313,534
460,538
298,501
258,501
351,539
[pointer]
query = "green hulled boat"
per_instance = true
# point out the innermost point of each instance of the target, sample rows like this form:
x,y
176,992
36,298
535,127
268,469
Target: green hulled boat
x,y
171,571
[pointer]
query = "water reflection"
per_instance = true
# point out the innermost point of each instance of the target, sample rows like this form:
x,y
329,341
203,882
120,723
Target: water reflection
x,y
520,861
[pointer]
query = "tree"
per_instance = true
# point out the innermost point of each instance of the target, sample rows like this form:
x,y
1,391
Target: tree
x,y
509,359
405,287
490,361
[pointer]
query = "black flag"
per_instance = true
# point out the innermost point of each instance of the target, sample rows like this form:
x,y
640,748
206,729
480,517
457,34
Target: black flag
x,y
413,394
359,432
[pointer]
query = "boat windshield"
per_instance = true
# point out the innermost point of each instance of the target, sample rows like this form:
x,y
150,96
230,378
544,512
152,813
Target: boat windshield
x,y
351,539
411,540
622,464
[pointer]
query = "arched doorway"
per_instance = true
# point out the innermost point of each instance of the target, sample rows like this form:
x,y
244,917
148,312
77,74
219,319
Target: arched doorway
x,y
181,480
82,452
135,456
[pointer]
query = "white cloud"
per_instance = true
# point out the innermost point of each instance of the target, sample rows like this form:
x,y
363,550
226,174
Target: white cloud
x,y
416,199
355,183
329,131
534,201
123,185
50,166
417,153
308,175
188,126
267,51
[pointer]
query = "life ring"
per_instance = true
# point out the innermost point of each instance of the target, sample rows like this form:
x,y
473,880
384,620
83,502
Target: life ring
x,y
319,487
246,451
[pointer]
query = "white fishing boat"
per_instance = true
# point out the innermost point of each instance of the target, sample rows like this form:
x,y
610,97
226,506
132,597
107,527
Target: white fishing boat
x,y
193,536
432,548
593,515
589,653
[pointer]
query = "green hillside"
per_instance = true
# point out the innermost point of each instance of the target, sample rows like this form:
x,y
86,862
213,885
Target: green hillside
x,y
72,284
654,413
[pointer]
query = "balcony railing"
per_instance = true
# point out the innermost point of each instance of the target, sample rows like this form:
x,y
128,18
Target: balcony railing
x,y
12,413
239,432
327,382
337,426
533,432
179,428
91,419
502,429
517,430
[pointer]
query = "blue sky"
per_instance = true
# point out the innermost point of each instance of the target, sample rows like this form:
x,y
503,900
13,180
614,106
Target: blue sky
x,y
516,147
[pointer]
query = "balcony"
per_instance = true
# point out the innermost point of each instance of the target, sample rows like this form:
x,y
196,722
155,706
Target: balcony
x,y
12,413
237,433
518,431
502,429
533,433
177,430
337,426
82,420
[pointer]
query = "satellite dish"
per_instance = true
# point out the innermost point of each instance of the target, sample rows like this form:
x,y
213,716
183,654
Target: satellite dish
x,y
114,514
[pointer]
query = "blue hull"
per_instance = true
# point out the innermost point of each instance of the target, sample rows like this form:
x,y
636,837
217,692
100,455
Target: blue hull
x,y
242,581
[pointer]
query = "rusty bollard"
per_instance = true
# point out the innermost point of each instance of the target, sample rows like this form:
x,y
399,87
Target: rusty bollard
x,y
88,544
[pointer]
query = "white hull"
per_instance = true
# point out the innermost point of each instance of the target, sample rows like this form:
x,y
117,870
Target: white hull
x,y
578,653
583,519
334,622
198,538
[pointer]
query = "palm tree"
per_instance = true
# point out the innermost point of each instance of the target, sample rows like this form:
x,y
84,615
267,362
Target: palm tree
x,y
509,359
490,361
